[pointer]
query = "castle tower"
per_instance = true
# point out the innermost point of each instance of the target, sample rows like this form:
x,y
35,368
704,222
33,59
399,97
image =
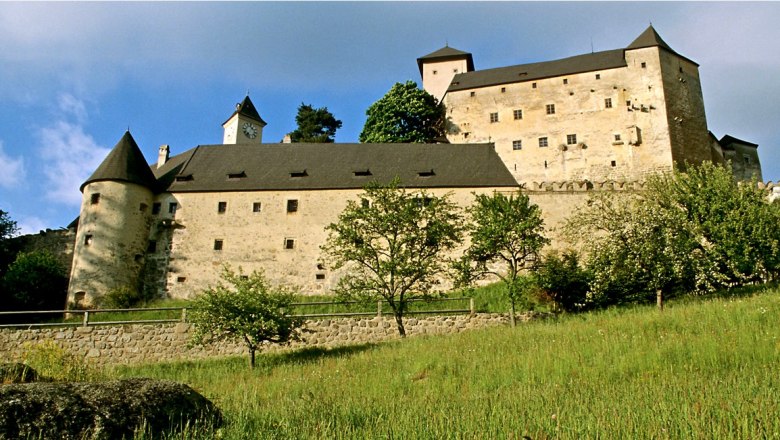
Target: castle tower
x,y
438,68
244,126
113,226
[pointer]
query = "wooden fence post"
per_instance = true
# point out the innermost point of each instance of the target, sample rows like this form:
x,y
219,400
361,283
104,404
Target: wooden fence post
x,y
183,314
379,308
85,322
472,310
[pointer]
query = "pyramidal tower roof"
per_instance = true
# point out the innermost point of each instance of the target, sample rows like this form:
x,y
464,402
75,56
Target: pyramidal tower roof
x,y
125,163
649,38
247,109
447,53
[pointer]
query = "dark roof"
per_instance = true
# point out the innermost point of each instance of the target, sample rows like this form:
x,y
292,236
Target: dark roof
x,y
604,60
246,108
526,72
304,166
125,163
727,140
446,54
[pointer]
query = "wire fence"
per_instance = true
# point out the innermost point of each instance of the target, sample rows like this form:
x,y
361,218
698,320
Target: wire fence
x,y
165,315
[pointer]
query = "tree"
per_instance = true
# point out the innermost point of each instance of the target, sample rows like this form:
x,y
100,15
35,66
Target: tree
x,y
405,114
244,308
315,125
34,281
392,245
698,230
506,237
7,230
562,279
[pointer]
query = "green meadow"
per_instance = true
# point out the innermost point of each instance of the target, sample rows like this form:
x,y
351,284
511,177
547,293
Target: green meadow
x,y
706,368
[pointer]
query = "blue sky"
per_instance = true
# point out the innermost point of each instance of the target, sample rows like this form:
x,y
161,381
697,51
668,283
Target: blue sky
x,y
75,76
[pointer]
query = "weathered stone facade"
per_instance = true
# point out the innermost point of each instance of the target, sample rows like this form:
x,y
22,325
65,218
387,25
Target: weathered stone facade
x,y
147,343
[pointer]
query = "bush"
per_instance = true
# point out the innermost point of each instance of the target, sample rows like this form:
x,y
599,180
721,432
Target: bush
x,y
564,281
34,281
56,363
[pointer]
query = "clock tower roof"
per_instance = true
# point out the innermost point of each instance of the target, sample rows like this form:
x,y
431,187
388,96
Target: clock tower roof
x,y
125,163
246,109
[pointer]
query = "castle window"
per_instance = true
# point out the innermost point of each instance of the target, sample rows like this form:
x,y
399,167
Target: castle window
x,y
608,103
292,206
473,94
172,207
565,81
550,108
518,114
644,65
320,276
289,243
156,208
88,240
533,85
454,70
503,89
299,173
423,201
571,139
218,245
435,72
256,207
493,117
545,164
142,207
617,137
613,163
151,247
221,207
236,175
746,159
365,203
543,142
94,199
426,173
181,279
598,76
517,145
362,173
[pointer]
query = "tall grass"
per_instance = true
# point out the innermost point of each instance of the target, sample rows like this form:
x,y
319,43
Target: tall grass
x,y
697,370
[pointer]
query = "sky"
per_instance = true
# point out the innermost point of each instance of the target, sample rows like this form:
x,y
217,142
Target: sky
x,y
76,76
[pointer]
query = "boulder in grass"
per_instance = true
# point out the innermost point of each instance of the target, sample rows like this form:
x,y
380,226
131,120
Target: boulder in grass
x,y
102,410
17,373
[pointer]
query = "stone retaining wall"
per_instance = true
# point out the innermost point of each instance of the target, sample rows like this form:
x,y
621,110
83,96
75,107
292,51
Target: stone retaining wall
x,y
146,343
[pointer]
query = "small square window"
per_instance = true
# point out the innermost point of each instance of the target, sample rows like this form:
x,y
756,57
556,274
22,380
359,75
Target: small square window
x,y
472,94
608,103
571,139
365,203
746,159
181,279
221,207
565,81
617,137
454,70
256,207
151,247
218,245
95,198
88,240
435,72
533,85
518,114
543,141
289,243
172,207
493,117
550,109
503,89
644,65
613,163
517,145
292,206
628,103
598,76
156,208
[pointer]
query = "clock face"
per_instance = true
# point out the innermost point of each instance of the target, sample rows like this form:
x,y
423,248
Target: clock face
x,y
250,130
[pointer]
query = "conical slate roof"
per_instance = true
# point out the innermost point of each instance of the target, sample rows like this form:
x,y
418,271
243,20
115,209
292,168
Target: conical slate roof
x,y
125,163
246,108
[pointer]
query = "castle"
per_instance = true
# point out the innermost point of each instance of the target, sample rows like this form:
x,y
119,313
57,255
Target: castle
x,y
558,130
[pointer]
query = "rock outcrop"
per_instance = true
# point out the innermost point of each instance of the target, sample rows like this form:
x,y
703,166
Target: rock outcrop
x,y
101,410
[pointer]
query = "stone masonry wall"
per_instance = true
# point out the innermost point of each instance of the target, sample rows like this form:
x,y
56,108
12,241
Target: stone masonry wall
x,y
147,343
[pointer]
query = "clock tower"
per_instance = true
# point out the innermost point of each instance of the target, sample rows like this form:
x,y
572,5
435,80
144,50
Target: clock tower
x,y
244,126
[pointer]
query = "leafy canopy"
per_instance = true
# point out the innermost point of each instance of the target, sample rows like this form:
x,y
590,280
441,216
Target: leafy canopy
x,y
392,245
244,308
7,230
507,233
315,125
405,114
34,281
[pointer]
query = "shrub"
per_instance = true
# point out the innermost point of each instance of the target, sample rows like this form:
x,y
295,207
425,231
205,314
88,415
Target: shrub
x,y
56,363
564,281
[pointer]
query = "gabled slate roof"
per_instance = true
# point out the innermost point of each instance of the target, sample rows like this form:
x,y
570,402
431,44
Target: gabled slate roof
x,y
302,166
650,38
125,163
446,54
727,140
246,108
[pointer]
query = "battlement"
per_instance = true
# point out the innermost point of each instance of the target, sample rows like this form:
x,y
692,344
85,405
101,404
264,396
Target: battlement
x,y
609,185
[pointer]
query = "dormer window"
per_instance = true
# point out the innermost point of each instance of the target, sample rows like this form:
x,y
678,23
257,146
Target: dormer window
x,y
362,173
236,175
184,177
426,173
298,173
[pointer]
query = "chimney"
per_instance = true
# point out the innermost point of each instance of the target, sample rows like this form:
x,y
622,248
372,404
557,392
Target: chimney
x,y
163,155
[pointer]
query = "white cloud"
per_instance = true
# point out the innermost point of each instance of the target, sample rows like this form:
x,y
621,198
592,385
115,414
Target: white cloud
x,y
69,156
31,225
12,170
70,105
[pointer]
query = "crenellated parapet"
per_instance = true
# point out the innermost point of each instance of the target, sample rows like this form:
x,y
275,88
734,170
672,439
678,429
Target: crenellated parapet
x,y
583,186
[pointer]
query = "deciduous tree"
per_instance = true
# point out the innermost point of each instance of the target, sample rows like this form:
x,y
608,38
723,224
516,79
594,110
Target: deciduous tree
x,y
315,125
393,245
244,308
34,281
405,114
507,233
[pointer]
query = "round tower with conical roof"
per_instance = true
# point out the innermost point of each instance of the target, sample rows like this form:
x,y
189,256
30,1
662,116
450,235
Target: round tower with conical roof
x,y
113,225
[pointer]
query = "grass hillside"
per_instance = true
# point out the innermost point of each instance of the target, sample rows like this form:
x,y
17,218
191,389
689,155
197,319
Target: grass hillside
x,y
701,369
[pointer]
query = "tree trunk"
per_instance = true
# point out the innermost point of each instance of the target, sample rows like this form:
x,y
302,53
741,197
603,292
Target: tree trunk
x,y
399,320
659,299
512,319
252,358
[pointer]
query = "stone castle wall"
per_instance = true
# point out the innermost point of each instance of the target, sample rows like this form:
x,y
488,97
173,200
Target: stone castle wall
x,y
147,343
